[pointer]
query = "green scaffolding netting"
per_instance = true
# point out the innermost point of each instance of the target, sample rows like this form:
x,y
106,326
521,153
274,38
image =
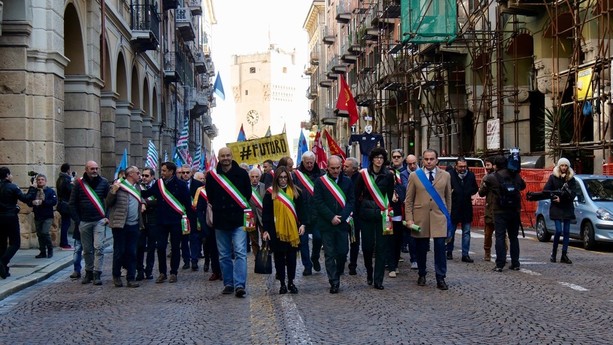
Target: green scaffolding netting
x,y
429,21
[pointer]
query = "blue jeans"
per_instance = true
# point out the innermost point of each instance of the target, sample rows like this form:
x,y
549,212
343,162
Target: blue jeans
x,y
440,259
465,240
124,250
233,271
562,227
77,255
92,235
195,244
307,256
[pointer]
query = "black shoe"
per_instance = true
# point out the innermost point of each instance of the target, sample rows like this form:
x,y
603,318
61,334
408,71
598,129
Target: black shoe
x,y
140,276
49,252
405,249
75,275
132,284
227,290
552,258
352,271
307,272
149,276
421,281
316,265
564,259
514,268
497,269
185,266
194,267
449,256
292,288
369,280
467,259
441,285
206,266
42,255
117,282
334,288
3,271
379,286
240,292
283,289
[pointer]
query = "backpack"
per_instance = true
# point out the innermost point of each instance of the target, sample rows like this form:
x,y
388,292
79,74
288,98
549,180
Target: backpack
x,y
509,197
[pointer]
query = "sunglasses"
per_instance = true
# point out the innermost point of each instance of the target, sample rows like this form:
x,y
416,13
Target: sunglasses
x,y
185,172
145,175
396,157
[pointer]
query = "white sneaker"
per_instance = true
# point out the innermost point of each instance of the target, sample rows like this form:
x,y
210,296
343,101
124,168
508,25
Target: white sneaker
x,y
414,265
392,274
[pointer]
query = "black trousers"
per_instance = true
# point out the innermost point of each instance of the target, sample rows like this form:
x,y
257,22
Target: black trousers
x,y
9,232
147,243
285,258
174,231
336,246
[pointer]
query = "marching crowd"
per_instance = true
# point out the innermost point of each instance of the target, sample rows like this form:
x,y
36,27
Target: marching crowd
x,y
388,207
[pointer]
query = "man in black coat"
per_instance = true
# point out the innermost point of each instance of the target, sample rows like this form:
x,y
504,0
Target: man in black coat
x,y
191,244
169,217
229,190
463,186
335,198
64,185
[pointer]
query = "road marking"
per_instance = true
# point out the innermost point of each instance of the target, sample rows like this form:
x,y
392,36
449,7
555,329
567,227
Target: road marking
x,y
526,271
573,286
295,325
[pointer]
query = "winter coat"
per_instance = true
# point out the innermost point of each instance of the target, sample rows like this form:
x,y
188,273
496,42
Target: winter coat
x,y
366,207
462,191
326,206
421,208
314,174
166,215
227,214
268,219
117,204
44,210
490,187
9,194
565,209
81,208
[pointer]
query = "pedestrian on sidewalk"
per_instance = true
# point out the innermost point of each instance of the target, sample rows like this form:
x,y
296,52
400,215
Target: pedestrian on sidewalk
x,y
43,205
77,254
562,209
87,209
10,237
64,186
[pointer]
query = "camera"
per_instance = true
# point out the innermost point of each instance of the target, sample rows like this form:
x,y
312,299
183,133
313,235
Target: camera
x,y
32,175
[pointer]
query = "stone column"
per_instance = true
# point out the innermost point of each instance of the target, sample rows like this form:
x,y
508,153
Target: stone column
x,y
136,138
108,107
122,130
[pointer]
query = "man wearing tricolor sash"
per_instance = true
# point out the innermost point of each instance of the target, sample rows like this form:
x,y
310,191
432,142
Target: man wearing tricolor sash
x,y
191,243
304,178
373,192
88,210
334,202
229,190
125,203
147,241
257,203
173,201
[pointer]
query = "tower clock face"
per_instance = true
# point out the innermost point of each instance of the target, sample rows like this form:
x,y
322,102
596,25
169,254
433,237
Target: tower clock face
x,y
253,117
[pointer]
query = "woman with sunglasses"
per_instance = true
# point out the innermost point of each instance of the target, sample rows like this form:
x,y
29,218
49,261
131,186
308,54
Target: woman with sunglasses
x,y
282,218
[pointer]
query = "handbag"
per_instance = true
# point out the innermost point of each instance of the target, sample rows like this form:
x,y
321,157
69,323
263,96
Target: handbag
x,y
209,215
263,260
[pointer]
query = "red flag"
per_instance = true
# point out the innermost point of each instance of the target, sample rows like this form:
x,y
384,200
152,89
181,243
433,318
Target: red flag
x,y
320,155
346,102
333,146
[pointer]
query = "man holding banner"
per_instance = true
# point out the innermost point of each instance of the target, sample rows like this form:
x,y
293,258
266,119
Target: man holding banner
x,y
229,191
173,201
334,196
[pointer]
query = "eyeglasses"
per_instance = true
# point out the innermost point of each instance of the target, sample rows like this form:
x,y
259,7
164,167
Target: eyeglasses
x,y
185,172
144,175
396,157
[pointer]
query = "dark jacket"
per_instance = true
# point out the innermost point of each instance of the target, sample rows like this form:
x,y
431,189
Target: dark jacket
x,y
9,194
45,210
491,188
366,207
150,215
227,214
565,209
306,195
167,215
64,186
117,206
400,187
81,208
326,206
192,213
268,219
462,191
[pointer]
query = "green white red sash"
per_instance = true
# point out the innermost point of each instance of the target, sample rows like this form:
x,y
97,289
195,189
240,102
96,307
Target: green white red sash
x,y
130,189
229,187
257,198
373,189
93,197
397,176
306,181
175,205
287,202
334,189
200,192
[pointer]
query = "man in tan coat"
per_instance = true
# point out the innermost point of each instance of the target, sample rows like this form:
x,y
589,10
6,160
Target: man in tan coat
x,y
422,211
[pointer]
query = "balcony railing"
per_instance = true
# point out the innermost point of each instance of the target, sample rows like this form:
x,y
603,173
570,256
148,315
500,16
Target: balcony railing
x,y
195,6
343,13
170,4
199,64
145,26
174,67
183,19
199,102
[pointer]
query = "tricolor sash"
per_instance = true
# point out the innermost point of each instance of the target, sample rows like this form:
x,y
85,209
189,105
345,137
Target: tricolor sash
x,y
230,188
257,198
287,202
130,189
381,201
200,192
397,176
334,189
175,205
93,197
306,181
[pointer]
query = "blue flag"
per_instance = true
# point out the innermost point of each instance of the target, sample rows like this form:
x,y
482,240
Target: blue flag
x,y
303,147
218,88
123,165
241,134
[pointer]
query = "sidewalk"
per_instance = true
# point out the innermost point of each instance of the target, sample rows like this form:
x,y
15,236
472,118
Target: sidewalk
x,y
26,270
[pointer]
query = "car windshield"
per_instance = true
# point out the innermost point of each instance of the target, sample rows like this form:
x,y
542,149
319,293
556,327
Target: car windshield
x,y
599,189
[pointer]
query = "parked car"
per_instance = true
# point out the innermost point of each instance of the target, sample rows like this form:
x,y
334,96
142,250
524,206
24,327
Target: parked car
x,y
593,211
472,162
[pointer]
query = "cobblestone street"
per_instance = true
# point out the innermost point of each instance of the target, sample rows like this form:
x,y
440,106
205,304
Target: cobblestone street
x,y
544,303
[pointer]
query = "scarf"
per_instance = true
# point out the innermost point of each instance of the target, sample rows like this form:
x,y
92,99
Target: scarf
x,y
285,222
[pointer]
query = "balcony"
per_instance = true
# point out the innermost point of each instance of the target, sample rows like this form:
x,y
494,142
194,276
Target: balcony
x,y
343,14
329,38
311,93
198,103
183,20
371,34
314,58
210,67
174,67
196,7
170,4
332,76
391,9
145,26
199,64
329,120
326,83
